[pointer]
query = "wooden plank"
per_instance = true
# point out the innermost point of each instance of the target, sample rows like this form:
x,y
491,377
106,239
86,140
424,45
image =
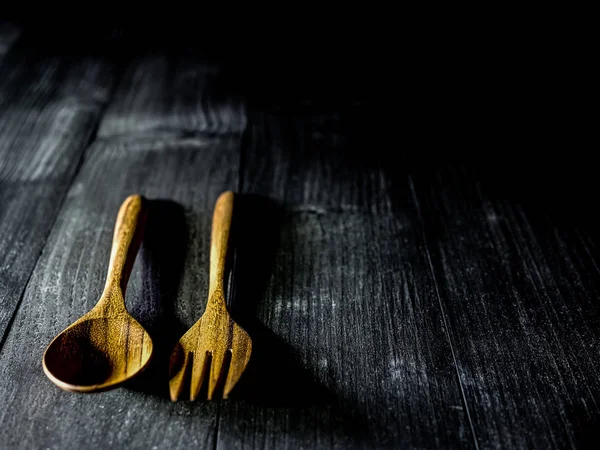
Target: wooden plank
x,y
349,339
49,107
166,293
166,90
520,293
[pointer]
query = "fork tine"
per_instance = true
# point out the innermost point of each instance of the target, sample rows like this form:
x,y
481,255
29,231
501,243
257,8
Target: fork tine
x,y
199,364
234,374
216,368
176,381
240,355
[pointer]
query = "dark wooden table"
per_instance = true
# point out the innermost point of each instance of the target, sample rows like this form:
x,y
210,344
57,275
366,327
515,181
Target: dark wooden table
x,y
392,304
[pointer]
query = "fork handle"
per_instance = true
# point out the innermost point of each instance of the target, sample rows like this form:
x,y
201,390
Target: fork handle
x,y
221,225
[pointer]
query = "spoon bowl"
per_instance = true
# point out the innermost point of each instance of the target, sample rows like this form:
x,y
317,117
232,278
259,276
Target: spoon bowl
x,y
106,346
96,354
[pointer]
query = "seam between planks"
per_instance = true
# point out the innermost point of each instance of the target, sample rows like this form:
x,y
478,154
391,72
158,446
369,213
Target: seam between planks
x,y
91,139
444,319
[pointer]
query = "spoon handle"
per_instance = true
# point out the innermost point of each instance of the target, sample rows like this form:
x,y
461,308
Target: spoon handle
x,y
127,239
219,244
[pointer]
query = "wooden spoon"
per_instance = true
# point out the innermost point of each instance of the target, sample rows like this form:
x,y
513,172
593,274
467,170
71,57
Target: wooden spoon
x,y
106,346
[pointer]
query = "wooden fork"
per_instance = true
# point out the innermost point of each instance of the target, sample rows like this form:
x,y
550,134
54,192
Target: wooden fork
x,y
206,344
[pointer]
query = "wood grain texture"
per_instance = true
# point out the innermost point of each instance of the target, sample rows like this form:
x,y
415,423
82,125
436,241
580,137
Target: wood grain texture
x,y
215,347
49,107
390,306
349,345
320,161
520,293
173,91
106,346
166,292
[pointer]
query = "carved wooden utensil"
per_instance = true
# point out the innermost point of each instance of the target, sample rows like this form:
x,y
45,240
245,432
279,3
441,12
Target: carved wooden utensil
x,y
215,337
106,346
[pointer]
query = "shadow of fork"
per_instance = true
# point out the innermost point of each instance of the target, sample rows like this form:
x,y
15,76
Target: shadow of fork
x,y
273,367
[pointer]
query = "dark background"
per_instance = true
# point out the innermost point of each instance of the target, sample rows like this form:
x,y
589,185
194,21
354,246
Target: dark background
x,y
503,93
